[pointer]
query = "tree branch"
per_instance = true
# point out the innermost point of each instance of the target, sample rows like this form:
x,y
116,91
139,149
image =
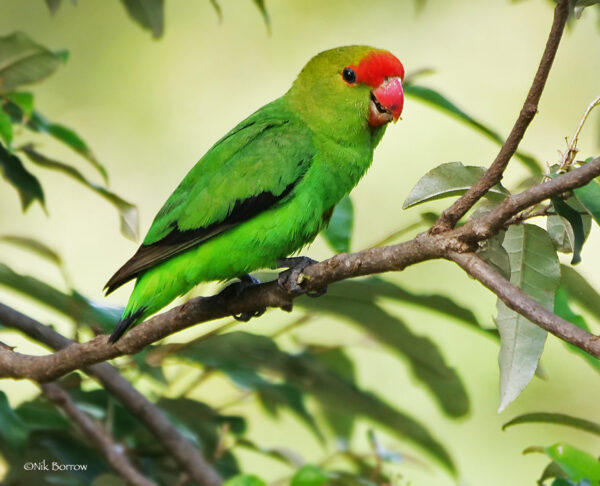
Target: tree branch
x,y
375,260
184,453
114,453
493,175
520,302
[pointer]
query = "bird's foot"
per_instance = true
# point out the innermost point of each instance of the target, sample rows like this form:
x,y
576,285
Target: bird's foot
x,y
291,279
235,290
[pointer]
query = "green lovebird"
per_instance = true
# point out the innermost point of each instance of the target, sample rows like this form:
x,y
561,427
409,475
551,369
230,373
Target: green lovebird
x,y
269,186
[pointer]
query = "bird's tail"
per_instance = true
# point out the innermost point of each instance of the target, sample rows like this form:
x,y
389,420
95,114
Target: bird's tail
x,y
124,323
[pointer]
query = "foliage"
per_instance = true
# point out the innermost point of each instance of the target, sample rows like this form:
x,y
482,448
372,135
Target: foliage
x,y
317,385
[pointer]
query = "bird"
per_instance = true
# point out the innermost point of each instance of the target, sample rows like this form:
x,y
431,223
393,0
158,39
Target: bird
x,y
269,186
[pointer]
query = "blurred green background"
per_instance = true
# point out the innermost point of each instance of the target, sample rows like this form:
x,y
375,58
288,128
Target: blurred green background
x,y
149,109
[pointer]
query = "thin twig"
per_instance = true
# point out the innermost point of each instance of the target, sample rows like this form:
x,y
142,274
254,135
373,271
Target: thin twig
x,y
569,155
494,173
113,452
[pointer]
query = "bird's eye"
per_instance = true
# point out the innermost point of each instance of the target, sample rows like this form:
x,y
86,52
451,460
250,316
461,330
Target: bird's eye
x,y
349,75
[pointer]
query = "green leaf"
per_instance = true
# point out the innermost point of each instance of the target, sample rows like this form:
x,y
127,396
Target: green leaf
x,y
21,179
148,13
218,10
575,222
576,463
128,213
425,359
22,61
245,480
74,306
23,100
442,103
6,130
263,10
589,197
555,418
447,180
12,429
339,231
39,123
580,290
240,353
53,5
310,475
562,309
536,271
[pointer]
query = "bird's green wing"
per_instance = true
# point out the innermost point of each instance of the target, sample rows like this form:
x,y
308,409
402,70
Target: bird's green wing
x,y
251,169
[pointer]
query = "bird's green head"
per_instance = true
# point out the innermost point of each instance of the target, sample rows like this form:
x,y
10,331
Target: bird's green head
x,y
350,88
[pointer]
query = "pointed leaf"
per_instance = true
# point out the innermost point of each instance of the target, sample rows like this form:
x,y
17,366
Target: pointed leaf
x,y
39,123
442,103
21,179
562,309
339,231
128,213
447,180
555,418
148,13
218,10
22,61
535,270
263,10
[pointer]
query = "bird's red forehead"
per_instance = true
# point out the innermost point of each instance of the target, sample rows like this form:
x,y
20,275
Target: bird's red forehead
x,y
375,67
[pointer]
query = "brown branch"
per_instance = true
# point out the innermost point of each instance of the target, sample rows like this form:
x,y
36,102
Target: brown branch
x,y
185,454
493,175
491,222
375,260
201,309
520,302
113,452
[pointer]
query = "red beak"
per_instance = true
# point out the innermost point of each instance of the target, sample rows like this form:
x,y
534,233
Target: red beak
x,y
387,102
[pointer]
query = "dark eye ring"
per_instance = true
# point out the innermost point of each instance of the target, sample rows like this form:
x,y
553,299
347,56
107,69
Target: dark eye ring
x,y
349,75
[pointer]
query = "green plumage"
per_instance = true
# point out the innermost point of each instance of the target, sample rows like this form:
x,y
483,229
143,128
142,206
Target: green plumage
x,y
260,193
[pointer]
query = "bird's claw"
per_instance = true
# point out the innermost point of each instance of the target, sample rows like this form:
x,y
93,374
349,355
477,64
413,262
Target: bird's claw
x,y
236,288
291,279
